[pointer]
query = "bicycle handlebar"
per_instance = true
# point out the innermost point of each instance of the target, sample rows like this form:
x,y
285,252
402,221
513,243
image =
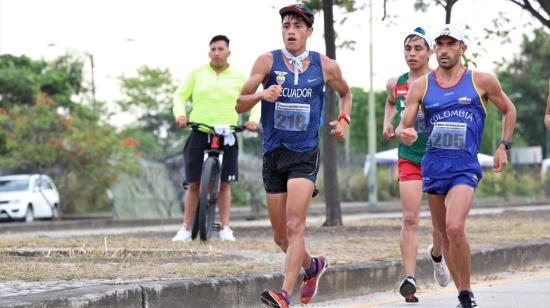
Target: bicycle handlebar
x,y
235,128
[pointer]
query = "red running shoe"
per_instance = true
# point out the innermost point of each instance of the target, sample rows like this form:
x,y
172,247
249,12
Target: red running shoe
x,y
273,299
309,285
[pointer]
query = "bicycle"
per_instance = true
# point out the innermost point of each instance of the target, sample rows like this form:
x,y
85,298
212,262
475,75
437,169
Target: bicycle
x,y
209,188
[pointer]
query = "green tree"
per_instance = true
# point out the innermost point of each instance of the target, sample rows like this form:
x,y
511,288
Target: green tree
x,y
21,78
149,96
492,131
525,80
82,157
360,124
147,143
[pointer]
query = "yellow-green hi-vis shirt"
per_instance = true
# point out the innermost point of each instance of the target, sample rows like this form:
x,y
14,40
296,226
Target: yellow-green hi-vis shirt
x,y
213,97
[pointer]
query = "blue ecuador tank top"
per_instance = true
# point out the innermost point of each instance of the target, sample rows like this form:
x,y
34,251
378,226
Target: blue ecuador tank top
x,y
294,120
455,117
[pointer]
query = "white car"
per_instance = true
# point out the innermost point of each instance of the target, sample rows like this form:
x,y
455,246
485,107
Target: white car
x,y
28,196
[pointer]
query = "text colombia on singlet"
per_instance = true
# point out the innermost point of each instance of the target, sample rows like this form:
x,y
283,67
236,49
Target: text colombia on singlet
x,y
453,113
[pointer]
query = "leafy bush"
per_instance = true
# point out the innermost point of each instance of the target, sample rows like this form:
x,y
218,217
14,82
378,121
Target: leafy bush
x,y
519,181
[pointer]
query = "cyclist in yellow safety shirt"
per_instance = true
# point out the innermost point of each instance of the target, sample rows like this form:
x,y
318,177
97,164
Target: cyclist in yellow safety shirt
x,y
213,90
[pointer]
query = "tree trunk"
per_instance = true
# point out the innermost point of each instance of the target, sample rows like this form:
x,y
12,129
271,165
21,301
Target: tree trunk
x,y
330,174
448,10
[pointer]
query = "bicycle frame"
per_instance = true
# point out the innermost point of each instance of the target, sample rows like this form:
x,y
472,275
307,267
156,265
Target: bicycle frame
x,y
215,149
216,152
210,184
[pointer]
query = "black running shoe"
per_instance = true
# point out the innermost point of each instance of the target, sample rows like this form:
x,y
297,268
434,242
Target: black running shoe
x,y
466,300
407,290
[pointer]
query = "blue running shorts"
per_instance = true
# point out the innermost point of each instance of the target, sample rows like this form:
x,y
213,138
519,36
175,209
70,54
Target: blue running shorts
x,y
442,186
439,175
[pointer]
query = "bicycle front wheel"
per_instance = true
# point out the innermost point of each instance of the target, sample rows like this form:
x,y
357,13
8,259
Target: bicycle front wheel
x,y
208,196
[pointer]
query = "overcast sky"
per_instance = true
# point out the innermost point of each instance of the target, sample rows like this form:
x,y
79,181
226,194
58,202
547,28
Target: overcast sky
x,y
125,34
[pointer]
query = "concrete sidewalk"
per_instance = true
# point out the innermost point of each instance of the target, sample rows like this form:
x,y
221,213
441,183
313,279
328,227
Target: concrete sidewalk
x,y
243,291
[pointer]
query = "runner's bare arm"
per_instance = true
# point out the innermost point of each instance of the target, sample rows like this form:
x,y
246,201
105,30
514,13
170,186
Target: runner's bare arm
x,y
390,111
249,97
405,131
547,114
333,76
490,89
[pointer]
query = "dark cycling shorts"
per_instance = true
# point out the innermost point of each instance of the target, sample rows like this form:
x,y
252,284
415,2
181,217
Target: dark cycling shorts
x,y
282,164
193,156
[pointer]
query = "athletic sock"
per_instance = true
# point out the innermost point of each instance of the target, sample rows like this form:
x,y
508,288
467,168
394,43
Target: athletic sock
x,y
465,293
286,296
437,259
312,270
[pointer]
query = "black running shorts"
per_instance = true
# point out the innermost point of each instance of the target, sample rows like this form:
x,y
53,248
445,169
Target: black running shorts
x,y
193,156
282,164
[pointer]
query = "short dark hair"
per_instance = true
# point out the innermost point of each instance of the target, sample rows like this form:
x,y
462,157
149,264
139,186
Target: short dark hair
x,y
410,37
219,37
296,17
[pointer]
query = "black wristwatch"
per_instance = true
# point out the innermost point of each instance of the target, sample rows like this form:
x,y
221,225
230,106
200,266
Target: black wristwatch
x,y
507,144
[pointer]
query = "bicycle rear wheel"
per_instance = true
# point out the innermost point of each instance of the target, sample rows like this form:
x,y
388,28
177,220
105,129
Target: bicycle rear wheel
x,y
195,228
208,196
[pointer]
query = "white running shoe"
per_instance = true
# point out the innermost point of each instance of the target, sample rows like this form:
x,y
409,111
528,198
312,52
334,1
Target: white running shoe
x,y
226,234
183,235
441,272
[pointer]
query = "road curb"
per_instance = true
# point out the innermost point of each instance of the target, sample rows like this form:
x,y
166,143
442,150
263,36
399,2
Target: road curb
x,y
243,291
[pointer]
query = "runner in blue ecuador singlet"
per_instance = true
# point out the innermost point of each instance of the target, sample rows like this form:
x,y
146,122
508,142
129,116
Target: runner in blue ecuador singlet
x,y
293,121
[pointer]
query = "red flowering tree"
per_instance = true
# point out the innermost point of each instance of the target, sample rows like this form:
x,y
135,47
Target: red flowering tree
x,y
58,137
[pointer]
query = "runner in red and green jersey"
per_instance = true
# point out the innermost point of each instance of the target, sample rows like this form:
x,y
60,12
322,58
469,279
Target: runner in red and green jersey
x,y
415,152
417,51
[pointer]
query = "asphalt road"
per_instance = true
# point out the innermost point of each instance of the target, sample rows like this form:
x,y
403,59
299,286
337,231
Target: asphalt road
x,y
514,290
